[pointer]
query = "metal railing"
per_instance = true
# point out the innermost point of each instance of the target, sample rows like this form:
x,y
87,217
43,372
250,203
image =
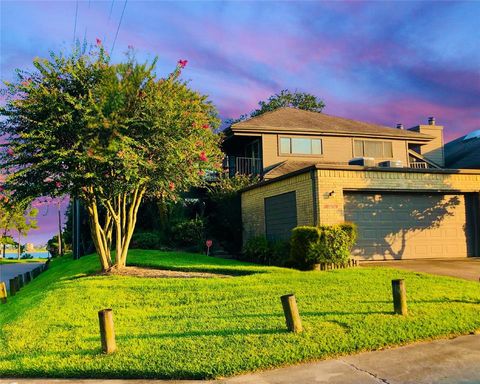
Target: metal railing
x,y
244,165
419,165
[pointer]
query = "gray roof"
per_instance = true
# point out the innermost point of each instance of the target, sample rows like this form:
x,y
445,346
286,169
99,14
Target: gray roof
x,y
463,152
294,120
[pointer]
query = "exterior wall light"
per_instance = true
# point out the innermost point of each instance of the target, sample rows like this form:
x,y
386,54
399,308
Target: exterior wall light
x,y
331,194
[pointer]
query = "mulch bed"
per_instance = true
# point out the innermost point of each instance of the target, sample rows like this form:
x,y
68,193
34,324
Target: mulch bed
x,y
162,273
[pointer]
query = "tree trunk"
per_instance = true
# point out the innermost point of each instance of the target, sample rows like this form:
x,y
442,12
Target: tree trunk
x,y
18,250
121,215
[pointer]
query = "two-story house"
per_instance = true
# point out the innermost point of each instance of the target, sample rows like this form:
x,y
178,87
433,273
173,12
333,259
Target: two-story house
x,y
319,169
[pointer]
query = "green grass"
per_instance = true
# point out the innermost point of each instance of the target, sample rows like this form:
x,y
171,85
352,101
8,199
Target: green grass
x,y
205,328
13,261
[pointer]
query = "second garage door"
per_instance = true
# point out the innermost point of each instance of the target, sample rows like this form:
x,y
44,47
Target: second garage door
x,y
408,225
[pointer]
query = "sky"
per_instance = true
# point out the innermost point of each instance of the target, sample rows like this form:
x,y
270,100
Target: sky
x,y
382,62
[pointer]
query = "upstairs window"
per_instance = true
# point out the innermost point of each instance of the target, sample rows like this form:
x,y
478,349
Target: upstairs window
x,y
300,146
370,148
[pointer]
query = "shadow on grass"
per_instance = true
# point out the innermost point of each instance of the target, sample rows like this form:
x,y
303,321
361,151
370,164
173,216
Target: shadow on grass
x,y
219,271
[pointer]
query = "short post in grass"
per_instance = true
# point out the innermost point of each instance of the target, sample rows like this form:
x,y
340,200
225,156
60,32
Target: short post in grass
x,y
292,317
399,297
20,281
107,331
3,292
27,277
13,286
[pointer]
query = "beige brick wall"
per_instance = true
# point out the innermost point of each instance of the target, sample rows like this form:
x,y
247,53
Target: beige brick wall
x,y
330,207
253,203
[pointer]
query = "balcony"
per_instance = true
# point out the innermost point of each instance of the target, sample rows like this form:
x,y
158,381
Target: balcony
x,y
243,165
419,165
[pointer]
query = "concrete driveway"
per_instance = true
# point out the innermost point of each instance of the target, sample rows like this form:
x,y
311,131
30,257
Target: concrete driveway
x,y
466,268
9,271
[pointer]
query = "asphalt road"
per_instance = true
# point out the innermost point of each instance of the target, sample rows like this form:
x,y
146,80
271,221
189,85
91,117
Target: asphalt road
x,y
9,271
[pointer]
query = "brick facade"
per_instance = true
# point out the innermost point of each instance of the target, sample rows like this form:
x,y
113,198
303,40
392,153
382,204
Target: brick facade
x,y
320,191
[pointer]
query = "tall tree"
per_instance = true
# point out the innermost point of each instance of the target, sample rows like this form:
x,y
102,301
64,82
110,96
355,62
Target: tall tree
x,y
109,135
286,98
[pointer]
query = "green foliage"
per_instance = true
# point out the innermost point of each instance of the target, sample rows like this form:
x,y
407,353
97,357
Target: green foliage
x,y
300,242
26,256
189,233
205,328
286,98
323,244
261,251
107,133
147,240
224,211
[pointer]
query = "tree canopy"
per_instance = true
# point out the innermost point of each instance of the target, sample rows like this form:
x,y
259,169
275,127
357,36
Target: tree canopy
x,y
286,98
109,134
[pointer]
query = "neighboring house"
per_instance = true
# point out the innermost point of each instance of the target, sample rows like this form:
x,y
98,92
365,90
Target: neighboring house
x,y
319,169
464,152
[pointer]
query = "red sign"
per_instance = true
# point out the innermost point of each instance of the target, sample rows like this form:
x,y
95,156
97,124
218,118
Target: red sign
x,y
209,243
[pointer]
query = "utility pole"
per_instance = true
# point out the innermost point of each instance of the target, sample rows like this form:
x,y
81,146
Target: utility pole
x,y
76,229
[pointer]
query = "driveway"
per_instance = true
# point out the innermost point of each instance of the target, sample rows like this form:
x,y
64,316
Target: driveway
x,y
9,271
467,268
442,362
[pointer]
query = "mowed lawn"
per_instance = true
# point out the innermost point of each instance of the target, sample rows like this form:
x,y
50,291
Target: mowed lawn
x,y
205,328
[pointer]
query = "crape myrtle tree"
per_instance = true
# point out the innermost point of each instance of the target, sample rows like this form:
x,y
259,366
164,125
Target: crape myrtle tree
x,y
108,134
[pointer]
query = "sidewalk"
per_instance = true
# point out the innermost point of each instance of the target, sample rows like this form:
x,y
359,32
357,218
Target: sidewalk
x,y
450,361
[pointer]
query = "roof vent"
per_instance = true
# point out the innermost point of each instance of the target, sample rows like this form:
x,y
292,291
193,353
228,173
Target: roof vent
x,y
399,126
431,120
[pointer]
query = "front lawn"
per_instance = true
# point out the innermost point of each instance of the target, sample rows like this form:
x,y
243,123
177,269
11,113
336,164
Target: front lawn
x,y
205,328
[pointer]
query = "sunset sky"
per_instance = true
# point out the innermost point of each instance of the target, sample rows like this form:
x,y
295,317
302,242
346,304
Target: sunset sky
x,y
382,62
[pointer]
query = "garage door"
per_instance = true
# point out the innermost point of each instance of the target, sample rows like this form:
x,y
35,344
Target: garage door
x,y
408,225
280,216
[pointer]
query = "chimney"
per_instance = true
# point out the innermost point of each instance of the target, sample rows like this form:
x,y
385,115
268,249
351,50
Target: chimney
x,y
399,126
431,120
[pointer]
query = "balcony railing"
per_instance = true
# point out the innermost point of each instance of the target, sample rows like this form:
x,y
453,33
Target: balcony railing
x,y
244,165
419,165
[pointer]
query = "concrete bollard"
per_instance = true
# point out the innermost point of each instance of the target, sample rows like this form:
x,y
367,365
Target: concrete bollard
x,y
3,292
107,331
292,317
399,297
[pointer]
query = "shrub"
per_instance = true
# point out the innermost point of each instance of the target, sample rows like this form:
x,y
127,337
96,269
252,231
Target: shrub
x,y
323,244
26,256
189,233
147,240
334,245
260,250
300,242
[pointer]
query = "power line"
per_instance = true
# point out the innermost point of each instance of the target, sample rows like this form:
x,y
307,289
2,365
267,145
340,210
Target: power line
x,y
118,28
108,21
75,25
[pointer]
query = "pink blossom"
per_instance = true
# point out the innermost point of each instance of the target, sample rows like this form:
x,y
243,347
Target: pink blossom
x,y
171,186
206,126
99,42
201,172
130,46
58,184
10,152
203,156
182,63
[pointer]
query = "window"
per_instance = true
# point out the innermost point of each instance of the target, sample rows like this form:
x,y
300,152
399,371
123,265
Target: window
x,y
370,148
300,146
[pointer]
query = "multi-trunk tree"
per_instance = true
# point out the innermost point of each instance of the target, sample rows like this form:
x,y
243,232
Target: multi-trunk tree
x,y
108,134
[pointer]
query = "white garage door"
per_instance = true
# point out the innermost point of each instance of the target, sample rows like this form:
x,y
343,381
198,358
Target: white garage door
x,y
408,225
